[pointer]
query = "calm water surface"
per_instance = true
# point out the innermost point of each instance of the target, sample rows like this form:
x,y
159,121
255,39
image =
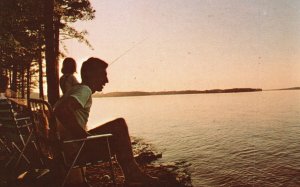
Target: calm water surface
x,y
235,139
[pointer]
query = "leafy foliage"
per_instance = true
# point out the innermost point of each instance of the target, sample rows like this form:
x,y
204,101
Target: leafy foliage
x,y
22,34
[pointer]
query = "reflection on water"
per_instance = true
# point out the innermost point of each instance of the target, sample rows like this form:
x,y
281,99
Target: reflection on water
x,y
236,139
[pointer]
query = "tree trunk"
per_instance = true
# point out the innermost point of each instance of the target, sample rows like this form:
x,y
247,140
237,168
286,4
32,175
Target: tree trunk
x,y
10,77
40,62
51,58
56,47
56,36
22,81
28,81
13,85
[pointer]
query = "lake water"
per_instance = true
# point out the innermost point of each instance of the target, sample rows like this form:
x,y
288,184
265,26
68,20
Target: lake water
x,y
233,139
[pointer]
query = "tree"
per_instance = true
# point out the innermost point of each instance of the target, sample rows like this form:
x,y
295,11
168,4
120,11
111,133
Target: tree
x,y
30,30
20,21
58,14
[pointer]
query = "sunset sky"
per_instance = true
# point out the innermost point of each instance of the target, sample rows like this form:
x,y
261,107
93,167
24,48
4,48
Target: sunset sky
x,y
194,44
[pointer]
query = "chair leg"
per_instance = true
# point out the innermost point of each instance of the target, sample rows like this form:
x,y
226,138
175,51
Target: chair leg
x,y
23,150
10,160
22,155
5,146
40,155
73,163
111,164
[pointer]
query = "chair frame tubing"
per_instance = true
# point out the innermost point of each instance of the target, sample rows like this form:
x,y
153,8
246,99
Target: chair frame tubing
x,y
36,104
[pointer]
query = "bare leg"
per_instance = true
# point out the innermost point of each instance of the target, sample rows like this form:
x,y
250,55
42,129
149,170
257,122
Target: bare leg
x,y
120,141
121,145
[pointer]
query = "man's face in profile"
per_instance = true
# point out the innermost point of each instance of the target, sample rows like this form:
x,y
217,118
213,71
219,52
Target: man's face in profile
x,y
99,80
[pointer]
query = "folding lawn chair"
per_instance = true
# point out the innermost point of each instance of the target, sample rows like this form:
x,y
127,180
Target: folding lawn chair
x,y
17,138
58,145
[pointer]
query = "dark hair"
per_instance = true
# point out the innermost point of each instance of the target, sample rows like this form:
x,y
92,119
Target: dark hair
x,y
69,66
91,66
3,83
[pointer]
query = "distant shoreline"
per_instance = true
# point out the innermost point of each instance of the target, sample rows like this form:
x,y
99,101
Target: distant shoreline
x,y
213,91
139,93
293,88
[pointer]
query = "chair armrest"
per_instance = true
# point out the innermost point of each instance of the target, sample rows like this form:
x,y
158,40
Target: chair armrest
x,y
89,138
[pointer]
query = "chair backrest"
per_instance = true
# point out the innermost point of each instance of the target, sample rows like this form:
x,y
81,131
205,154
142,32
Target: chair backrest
x,y
13,114
6,113
43,107
45,126
14,119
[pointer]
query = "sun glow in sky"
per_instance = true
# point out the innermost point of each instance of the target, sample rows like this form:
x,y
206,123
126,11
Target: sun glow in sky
x,y
194,44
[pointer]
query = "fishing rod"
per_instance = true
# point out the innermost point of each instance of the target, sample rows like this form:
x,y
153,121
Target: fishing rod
x,y
128,50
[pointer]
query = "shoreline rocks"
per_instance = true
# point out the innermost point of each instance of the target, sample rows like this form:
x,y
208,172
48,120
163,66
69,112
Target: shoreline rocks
x,y
174,174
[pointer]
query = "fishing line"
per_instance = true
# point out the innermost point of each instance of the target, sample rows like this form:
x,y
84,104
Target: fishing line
x,y
128,50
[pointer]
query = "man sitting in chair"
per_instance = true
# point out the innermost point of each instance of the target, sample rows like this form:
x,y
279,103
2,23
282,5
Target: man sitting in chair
x,y
72,110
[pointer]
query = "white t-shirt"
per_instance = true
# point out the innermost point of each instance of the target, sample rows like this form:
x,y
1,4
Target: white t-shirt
x,y
83,94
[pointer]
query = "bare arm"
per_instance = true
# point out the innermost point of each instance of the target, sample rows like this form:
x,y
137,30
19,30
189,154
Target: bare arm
x,y
65,114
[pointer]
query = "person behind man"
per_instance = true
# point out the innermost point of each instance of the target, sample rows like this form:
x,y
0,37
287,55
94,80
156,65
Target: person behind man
x,y
68,79
72,111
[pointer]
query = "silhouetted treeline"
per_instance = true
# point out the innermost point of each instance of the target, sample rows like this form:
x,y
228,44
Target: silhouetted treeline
x,y
293,88
138,93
